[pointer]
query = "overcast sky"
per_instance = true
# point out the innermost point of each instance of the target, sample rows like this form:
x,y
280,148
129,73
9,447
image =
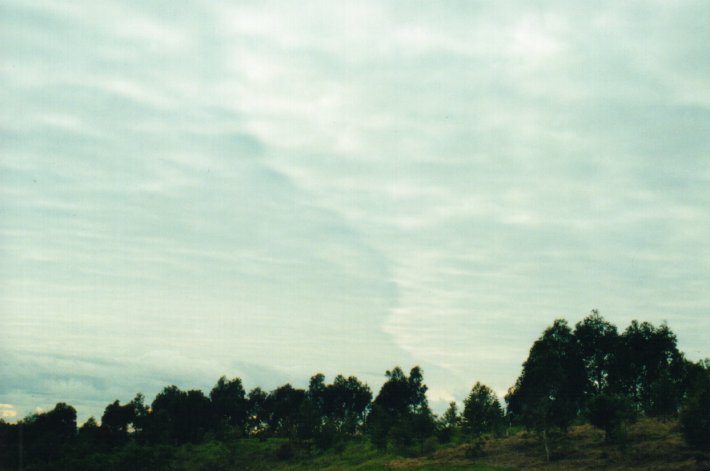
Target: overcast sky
x,y
273,189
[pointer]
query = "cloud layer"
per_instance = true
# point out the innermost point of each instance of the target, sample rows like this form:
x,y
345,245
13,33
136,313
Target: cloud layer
x,y
233,188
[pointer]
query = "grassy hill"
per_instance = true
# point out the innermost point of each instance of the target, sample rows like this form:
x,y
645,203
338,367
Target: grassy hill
x,y
650,445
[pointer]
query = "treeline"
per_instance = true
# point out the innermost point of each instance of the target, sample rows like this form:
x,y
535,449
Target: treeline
x,y
589,373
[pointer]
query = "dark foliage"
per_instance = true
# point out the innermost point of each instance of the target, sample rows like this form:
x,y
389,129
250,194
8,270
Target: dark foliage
x,y
695,415
229,405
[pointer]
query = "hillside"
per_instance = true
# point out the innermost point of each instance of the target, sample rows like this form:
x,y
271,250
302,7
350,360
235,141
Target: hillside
x,y
651,445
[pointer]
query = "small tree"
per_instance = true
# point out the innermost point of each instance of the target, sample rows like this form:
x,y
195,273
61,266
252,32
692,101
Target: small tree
x,y
448,424
482,411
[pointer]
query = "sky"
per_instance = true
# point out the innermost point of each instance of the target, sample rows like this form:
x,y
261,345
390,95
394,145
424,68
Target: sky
x,y
274,189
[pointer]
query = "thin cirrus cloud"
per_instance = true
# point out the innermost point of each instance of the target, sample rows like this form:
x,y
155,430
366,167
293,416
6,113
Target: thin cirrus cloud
x,y
268,191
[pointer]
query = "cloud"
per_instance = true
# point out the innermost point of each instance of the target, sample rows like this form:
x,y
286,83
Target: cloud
x,y
342,187
7,412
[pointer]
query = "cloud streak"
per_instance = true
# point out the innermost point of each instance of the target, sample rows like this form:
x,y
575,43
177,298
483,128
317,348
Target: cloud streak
x,y
342,187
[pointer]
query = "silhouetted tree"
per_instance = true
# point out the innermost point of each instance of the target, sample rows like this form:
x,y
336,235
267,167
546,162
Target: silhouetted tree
x,y
89,437
283,406
46,435
482,411
402,395
115,422
597,341
649,369
400,403
229,405
344,403
179,416
257,415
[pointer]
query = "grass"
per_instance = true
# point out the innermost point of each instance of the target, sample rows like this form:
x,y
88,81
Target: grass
x,y
650,445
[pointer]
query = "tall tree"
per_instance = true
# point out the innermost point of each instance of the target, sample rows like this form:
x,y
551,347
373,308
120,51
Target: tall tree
x,y
550,389
649,369
400,407
597,341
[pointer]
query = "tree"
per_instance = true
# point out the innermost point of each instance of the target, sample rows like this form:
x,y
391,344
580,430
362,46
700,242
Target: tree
x,y
401,409
346,403
141,414
597,341
229,405
649,369
179,416
90,436
47,434
318,393
482,411
449,423
550,389
401,395
257,415
282,408
114,423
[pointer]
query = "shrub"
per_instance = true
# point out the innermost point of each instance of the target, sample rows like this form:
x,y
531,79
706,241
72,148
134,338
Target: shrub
x,y
611,412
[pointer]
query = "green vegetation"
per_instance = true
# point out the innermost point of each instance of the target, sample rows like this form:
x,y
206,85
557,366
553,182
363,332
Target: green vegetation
x,y
634,387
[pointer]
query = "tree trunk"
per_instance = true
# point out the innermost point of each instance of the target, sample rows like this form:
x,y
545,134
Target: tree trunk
x,y
544,442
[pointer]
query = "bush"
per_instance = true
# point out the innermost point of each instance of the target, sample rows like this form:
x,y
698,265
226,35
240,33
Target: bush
x,y
611,412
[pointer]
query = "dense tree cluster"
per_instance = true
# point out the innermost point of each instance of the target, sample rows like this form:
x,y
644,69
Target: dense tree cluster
x,y
587,373
597,374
